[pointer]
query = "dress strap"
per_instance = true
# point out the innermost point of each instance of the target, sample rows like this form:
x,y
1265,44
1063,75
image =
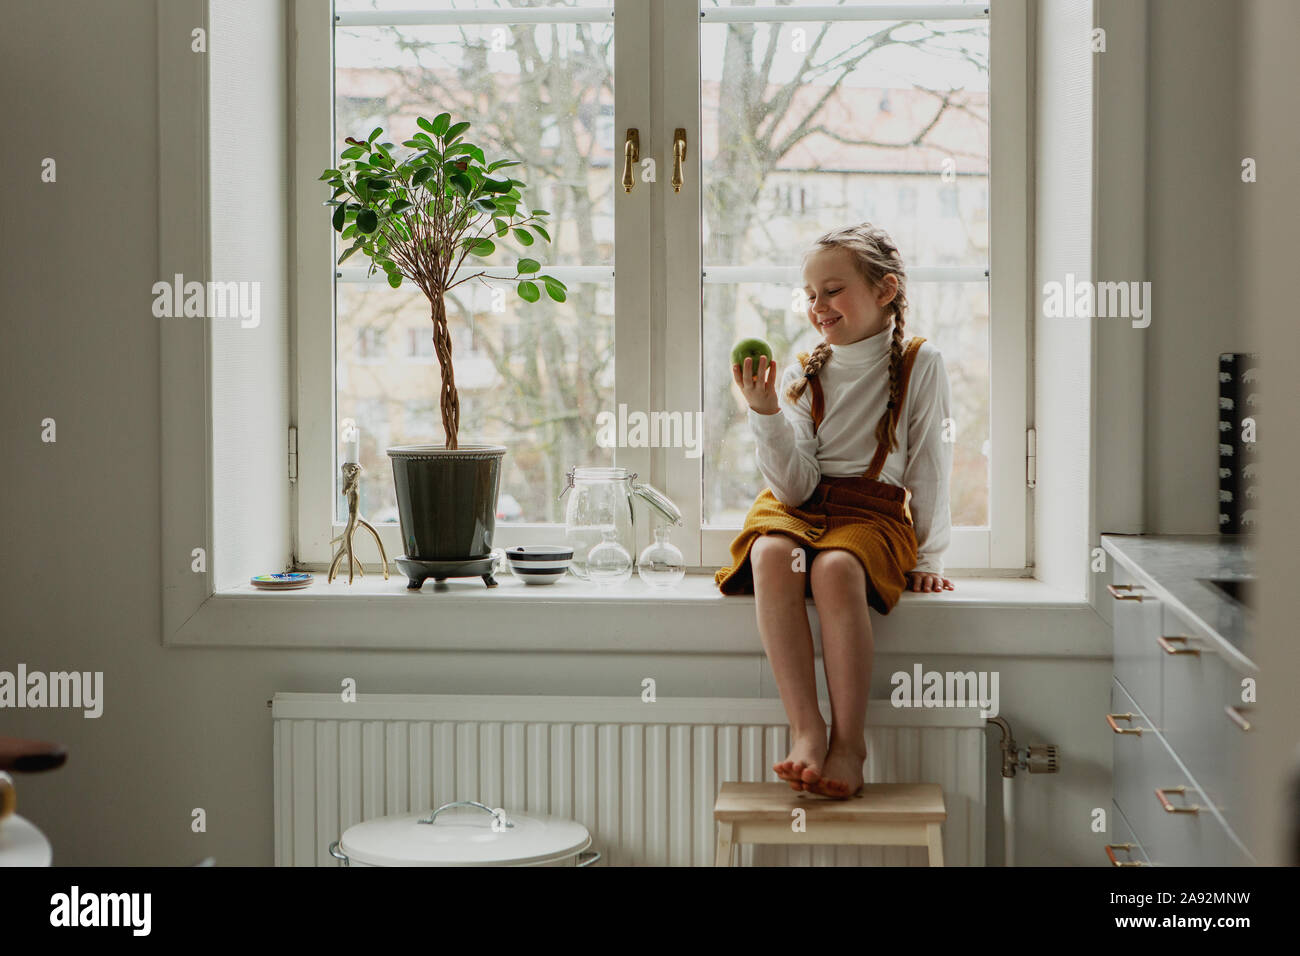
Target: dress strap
x,y
882,452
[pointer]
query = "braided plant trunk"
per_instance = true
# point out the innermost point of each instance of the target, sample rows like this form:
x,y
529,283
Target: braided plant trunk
x,y
449,399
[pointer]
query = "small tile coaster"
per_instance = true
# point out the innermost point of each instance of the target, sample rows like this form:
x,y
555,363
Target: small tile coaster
x,y
282,581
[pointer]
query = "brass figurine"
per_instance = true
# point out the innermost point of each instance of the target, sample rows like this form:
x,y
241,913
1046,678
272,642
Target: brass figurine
x,y
351,483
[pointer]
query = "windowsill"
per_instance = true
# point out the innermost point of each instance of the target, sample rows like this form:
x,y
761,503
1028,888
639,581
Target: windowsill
x,y
981,616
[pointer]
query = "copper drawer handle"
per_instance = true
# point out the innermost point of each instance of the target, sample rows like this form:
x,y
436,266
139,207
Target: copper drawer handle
x,y
1111,718
1110,854
1169,807
1164,642
1114,590
1237,717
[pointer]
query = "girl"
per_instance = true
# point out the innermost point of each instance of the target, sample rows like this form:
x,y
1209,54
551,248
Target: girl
x,y
858,498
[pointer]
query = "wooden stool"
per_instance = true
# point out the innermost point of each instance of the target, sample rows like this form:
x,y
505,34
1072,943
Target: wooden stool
x,y
884,814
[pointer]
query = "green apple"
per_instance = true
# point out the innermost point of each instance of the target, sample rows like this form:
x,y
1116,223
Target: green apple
x,y
750,348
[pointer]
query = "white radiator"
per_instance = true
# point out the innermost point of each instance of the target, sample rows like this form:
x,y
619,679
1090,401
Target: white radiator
x,y
642,777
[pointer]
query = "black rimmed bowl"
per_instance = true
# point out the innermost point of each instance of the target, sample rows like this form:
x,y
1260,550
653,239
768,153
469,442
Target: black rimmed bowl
x,y
539,563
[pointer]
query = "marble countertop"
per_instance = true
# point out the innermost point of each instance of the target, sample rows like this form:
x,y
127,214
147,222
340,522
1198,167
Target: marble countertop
x,y
1175,567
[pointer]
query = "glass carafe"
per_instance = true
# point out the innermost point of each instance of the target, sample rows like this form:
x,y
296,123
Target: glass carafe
x,y
609,562
661,564
600,499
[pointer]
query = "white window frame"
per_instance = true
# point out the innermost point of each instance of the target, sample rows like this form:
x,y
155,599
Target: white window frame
x,y
649,317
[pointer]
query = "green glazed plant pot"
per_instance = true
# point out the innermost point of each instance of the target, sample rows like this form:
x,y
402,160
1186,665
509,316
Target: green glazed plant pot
x,y
447,499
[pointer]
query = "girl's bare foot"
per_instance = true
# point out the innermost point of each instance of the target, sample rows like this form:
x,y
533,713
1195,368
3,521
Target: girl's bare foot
x,y
841,775
802,767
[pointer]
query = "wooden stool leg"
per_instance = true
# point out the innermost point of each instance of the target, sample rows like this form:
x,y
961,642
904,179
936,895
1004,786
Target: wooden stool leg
x,y
934,838
725,844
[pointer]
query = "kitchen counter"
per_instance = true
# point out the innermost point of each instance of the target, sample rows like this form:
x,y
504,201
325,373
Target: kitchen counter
x,y
1175,568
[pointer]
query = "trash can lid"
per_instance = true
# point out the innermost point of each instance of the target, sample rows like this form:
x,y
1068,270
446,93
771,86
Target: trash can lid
x,y
463,834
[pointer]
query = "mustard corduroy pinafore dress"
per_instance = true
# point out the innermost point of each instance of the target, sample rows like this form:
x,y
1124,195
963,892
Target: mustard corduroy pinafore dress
x,y
863,515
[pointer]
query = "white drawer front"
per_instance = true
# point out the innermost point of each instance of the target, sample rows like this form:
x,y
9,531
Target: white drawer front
x,y
1198,688
1137,618
1130,758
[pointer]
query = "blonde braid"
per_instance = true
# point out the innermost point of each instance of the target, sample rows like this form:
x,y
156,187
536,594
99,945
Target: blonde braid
x,y
812,364
885,430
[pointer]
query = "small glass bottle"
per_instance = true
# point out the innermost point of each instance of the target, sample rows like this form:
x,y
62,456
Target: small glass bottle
x,y
609,563
661,564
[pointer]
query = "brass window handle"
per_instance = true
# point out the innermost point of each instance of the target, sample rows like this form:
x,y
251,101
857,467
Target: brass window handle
x,y
1164,642
679,158
631,156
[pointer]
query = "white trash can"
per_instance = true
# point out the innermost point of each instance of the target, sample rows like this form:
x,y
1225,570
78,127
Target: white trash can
x,y
476,835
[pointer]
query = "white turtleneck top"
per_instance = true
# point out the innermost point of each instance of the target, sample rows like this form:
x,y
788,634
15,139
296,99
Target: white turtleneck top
x,y
855,386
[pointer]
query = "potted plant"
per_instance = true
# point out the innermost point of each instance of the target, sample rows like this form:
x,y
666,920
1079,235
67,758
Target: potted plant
x,y
417,217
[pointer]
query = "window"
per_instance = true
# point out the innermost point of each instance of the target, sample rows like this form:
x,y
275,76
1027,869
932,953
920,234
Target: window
x,y
852,112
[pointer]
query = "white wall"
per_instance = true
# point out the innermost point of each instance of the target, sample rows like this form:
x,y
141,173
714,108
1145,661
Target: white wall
x,y
80,570
1194,203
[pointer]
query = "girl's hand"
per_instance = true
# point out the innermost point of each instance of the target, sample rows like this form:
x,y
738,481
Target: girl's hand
x,y
924,581
760,393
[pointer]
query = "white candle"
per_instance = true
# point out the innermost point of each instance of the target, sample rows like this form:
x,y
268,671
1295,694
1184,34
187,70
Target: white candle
x,y
352,444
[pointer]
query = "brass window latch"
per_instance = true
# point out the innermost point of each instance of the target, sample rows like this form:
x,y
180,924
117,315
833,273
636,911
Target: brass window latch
x,y
631,156
679,157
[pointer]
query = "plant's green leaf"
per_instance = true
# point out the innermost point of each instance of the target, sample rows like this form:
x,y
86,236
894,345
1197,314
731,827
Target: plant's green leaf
x,y
367,221
483,247
425,124
328,174
415,144
478,154
349,232
556,292
462,183
373,133
541,232
524,236
377,185
341,191
440,123
353,152
424,138
351,249
528,265
540,212
459,148
422,175
528,291
456,130
503,163
495,185
339,215
395,279
401,204
399,227
485,205
500,226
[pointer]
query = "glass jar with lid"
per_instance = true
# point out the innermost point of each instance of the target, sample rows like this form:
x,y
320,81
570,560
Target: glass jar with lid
x,y
600,499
